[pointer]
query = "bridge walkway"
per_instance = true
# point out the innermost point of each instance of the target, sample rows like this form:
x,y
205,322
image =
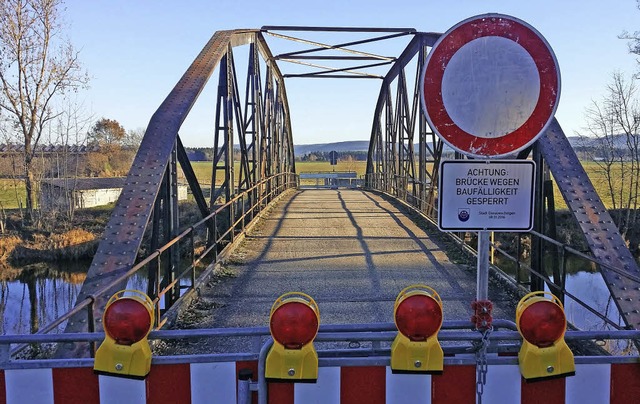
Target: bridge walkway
x,y
353,251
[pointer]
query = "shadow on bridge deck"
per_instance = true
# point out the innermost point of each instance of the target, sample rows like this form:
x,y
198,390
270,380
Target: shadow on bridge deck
x,y
353,251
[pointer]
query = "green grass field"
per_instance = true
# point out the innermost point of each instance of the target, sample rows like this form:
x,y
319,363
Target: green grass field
x,y
12,191
202,169
599,181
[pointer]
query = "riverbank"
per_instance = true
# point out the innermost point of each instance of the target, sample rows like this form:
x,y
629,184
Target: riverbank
x,y
65,241
72,245
55,239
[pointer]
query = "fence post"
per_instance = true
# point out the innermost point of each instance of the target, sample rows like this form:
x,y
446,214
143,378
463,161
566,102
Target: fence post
x,y
244,386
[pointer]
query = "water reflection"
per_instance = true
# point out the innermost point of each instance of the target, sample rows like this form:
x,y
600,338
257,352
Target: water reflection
x,y
34,295
583,281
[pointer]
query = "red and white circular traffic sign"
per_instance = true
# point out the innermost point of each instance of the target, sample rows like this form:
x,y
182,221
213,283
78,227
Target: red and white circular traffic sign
x,y
490,86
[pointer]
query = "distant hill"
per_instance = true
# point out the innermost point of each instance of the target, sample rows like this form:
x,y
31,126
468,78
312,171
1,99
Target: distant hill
x,y
617,141
575,141
354,145
205,154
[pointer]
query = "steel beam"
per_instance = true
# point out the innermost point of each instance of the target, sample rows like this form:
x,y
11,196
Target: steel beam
x,y
601,233
145,199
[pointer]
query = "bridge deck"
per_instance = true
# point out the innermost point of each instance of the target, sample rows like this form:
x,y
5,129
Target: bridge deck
x,y
353,251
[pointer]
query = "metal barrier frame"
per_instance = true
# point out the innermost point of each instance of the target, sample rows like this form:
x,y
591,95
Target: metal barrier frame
x,y
457,337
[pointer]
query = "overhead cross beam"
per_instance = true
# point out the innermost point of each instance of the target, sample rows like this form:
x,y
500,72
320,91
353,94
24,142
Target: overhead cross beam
x,y
345,50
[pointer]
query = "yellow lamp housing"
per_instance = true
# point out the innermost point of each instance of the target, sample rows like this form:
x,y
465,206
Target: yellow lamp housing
x,y
294,322
418,316
127,321
542,323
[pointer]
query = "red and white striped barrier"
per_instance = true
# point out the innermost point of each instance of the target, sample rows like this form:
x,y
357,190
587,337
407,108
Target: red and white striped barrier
x,y
217,383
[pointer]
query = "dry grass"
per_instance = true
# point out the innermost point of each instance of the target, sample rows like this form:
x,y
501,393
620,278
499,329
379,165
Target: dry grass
x,y
7,245
71,245
70,238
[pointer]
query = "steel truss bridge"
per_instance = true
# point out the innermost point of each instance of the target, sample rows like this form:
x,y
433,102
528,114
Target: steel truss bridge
x,y
252,115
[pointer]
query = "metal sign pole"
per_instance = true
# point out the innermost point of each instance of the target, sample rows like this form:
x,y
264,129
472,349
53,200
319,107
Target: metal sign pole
x,y
484,242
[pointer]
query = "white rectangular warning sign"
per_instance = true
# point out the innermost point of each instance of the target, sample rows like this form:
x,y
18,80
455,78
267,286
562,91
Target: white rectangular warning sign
x,y
486,195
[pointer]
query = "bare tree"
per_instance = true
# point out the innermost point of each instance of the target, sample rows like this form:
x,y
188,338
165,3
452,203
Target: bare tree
x,y
614,126
70,134
37,64
634,40
133,138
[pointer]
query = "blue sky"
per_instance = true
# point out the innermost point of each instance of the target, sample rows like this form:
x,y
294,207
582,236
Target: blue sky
x,y
136,50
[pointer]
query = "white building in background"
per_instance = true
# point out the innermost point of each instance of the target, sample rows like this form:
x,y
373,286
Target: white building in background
x,y
85,192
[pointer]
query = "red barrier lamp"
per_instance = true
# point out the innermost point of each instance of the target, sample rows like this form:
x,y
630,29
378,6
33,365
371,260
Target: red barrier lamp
x,y
542,323
294,323
127,321
418,317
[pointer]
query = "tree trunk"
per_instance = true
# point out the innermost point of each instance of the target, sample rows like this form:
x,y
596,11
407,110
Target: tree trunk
x,y
28,183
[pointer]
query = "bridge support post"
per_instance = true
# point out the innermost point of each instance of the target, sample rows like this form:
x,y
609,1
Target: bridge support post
x,y
537,247
482,287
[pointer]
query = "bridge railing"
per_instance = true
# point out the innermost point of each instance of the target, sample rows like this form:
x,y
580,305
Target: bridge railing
x,y
246,207
330,179
406,190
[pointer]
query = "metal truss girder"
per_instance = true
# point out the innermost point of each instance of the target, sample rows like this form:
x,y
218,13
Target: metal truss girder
x,y
118,248
333,29
601,233
419,41
190,176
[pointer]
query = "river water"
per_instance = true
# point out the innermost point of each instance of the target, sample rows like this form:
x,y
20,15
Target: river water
x,y
34,295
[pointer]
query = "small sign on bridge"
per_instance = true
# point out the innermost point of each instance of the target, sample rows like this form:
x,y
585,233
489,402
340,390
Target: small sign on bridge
x,y
486,195
333,157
